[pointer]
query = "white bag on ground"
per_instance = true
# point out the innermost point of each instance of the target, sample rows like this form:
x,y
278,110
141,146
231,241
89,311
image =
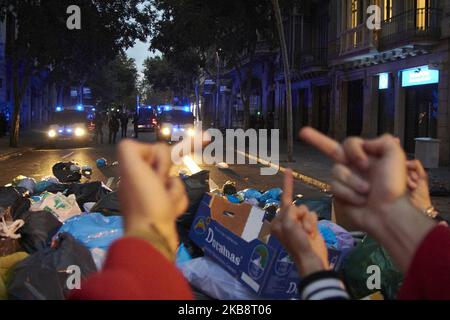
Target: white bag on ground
x,y
59,205
214,281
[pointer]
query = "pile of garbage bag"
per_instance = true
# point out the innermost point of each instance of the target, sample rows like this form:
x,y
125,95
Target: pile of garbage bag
x,y
209,279
47,226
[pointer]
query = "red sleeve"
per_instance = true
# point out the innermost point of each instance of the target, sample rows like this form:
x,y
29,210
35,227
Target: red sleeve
x,y
135,270
428,276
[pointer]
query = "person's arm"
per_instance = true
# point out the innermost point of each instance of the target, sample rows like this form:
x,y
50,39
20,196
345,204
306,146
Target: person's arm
x,y
428,276
323,285
135,270
141,265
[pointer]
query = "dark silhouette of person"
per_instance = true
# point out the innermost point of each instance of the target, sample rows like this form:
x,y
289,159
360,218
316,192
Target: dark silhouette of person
x,y
124,124
114,126
98,122
136,124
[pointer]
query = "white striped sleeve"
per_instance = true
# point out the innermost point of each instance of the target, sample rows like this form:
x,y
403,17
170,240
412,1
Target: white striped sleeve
x,y
324,285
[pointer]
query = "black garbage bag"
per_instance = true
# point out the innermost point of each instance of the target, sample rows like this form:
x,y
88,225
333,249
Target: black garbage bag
x,y
9,196
87,192
62,171
196,186
57,187
38,230
108,205
43,275
14,199
322,206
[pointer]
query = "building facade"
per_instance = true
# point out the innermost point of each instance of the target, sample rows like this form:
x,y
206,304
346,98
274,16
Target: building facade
x,y
353,80
40,96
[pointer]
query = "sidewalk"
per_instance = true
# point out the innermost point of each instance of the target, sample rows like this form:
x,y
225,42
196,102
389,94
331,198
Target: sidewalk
x,y
28,140
312,167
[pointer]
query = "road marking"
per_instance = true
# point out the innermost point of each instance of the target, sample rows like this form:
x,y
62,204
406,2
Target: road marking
x,y
68,155
110,182
324,187
194,168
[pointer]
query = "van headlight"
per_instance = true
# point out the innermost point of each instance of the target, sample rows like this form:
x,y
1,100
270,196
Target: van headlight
x,y
79,132
166,131
191,132
51,133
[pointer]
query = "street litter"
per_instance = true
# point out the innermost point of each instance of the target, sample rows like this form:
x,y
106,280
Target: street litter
x,y
58,204
38,230
222,165
94,230
67,171
370,253
101,163
237,237
43,275
213,280
7,263
24,182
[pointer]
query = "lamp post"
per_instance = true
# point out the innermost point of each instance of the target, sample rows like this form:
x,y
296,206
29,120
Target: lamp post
x,y
216,115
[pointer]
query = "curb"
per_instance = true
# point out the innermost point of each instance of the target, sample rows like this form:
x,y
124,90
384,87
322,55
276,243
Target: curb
x,y
322,186
8,155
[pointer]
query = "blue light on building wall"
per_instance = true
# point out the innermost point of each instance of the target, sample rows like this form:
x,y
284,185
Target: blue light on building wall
x,y
383,81
419,76
59,109
80,107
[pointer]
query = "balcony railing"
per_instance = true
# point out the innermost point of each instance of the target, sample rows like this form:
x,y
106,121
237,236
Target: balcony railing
x,y
357,40
316,57
417,25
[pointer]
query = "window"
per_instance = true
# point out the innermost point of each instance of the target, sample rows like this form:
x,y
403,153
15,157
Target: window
x,y
421,14
355,9
387,9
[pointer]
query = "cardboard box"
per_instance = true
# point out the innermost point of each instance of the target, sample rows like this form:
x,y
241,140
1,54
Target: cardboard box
x,y
235,236
341,219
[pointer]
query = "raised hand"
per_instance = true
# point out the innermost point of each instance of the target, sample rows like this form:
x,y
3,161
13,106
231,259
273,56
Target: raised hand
x,y
149,197
296,228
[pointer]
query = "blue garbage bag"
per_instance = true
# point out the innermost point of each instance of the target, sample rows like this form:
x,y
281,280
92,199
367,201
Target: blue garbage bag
x,y
42,186
94,230
182,255
271,194
233,199
328,235
101,163
250,193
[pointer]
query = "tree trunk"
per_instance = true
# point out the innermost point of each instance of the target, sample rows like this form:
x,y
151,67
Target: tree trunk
x,y
19,88
287,79
15,125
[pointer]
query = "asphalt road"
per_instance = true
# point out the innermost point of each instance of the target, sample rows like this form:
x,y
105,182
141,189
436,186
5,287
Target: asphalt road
x,y
38,164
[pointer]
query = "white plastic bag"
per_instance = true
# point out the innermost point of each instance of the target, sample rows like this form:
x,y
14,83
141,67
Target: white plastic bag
x,y
59,205
214,281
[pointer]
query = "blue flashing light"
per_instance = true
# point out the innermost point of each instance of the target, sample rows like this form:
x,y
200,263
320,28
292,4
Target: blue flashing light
x,y
80,107
167,108
93,109
69,130
59,109
186,109
60,131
